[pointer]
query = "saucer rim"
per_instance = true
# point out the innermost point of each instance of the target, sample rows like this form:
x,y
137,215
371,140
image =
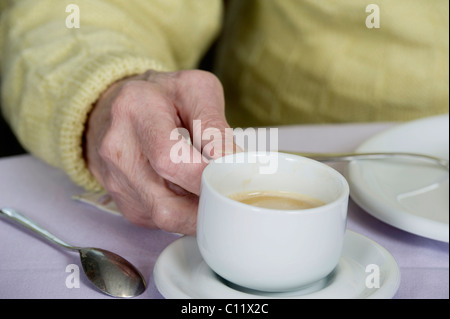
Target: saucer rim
x,y
374,203
388,289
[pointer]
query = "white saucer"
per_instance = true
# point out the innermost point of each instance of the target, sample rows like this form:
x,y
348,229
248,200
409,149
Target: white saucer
x,y
181,273
410,195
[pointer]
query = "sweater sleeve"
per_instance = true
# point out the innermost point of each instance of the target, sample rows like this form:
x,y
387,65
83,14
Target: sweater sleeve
x,y
52,74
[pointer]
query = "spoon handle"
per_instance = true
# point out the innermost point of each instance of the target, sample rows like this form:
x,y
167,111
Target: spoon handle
x,y
28,223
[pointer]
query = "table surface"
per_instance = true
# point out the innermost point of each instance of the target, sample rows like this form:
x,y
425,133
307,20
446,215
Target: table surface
x,y
32,268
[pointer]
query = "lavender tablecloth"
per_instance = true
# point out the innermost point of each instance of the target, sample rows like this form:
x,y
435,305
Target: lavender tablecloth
x,y
32,268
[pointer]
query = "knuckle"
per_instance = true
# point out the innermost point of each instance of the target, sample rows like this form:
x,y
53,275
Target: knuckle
x,y
163,217
207,79
201,78
131,88
126,99
109,147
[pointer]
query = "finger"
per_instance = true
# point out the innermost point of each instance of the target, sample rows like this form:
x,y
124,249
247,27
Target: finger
x,y
177,214
169,212
201,105
146,199
167,206
169,154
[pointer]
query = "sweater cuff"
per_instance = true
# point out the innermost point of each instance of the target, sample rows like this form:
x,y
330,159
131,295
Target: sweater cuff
x,y
90,82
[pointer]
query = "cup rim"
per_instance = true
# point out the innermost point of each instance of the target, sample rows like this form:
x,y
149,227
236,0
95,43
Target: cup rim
x,y
342,196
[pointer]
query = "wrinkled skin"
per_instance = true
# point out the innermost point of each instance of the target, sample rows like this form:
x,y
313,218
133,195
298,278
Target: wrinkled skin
x,y
128,145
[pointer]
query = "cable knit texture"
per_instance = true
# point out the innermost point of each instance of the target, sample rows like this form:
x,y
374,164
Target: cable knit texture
x,y
52,75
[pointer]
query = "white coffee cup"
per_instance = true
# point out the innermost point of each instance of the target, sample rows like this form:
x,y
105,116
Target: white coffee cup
x,y
265,249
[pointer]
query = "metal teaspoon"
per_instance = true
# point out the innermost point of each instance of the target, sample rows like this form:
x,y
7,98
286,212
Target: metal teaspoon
x,y
332,157
109,272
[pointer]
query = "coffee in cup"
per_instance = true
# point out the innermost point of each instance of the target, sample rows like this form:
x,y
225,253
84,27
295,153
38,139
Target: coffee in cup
x,y
277,200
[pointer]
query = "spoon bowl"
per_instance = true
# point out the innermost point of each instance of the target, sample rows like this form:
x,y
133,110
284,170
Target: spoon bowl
x,y
109,272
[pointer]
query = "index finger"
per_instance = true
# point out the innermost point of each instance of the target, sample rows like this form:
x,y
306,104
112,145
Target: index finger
x,y
168,152
203,111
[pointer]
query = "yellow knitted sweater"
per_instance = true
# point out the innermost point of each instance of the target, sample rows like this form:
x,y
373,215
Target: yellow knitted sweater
x,y
281,61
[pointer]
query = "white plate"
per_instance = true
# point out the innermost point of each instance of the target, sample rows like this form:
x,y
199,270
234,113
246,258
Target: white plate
x,y
181,273
410,195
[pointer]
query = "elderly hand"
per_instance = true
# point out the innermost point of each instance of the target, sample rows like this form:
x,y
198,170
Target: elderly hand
x,y
128,145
